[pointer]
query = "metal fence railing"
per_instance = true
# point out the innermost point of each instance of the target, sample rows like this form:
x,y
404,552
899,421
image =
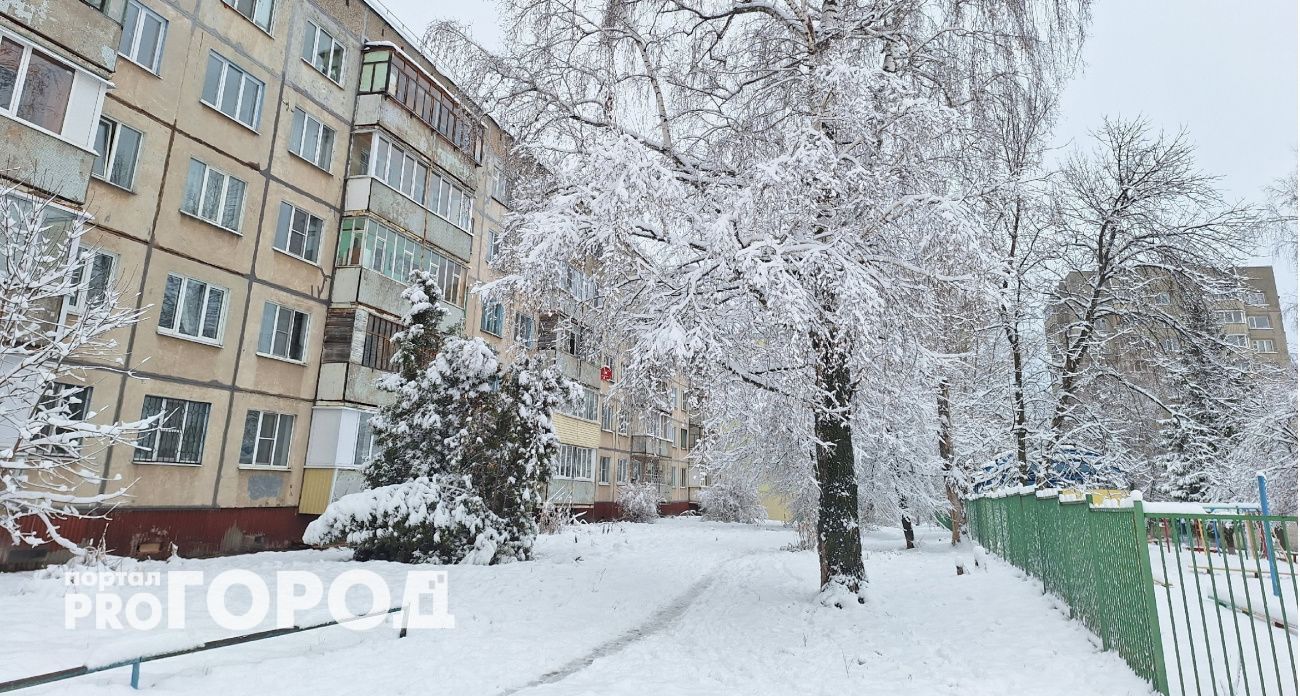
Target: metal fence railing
x,y
1186,599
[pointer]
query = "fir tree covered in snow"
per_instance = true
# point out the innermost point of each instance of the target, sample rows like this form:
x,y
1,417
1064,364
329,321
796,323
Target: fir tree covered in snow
x,y
464,451
521,447
442,390
1201,424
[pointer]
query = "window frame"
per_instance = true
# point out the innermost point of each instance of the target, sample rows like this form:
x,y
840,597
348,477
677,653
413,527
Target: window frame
x,y
226,66
606,416
141,12
1253,322
1230,316
175,330
197,213
59,392
275,323
437,192
154,433
365,438
80,298
377,348
1263,345
276,448
1237,340
492,315
285,225
602,470
298,136
365,242
587,409
574,463
10,110
110,159
314,32
270,14
527,339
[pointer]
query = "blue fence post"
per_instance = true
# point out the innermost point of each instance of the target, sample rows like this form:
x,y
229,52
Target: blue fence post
x,y
1268,534
135,675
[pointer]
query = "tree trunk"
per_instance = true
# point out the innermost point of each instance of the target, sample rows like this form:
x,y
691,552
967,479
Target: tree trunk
x,y
1018,395
909,535
839,541
956,511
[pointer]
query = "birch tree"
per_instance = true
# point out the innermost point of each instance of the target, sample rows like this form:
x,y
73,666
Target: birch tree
x,y
48,433
758,187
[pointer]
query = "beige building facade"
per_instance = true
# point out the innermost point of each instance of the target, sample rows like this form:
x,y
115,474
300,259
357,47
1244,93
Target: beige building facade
x,y
262,175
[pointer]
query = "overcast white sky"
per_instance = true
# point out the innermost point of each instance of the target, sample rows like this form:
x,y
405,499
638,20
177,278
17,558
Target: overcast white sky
x,y
1224,70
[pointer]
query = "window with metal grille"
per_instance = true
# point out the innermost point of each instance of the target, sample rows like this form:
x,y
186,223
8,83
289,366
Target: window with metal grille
x,y
176,434
63,402
377,350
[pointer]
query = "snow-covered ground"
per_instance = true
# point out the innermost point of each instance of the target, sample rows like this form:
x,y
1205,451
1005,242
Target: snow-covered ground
x,y
680,606
1220,609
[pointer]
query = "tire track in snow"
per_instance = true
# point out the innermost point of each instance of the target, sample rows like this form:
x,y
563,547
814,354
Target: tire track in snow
x,y
658,621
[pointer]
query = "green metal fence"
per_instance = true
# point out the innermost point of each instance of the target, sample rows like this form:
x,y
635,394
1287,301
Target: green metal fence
x,y
1138,579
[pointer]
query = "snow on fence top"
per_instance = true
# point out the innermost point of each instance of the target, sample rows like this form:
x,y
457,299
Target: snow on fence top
x,y
1110,502
1113,502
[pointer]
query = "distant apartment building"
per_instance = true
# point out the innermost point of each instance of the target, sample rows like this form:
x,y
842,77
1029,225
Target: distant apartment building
x,y
262,176
1250,319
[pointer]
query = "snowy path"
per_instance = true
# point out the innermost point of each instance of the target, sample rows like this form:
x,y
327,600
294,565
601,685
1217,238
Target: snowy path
x,y
682,606
660,621
926,631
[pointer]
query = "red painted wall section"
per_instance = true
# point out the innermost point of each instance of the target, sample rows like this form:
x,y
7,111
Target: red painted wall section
x,y
200,532
146,533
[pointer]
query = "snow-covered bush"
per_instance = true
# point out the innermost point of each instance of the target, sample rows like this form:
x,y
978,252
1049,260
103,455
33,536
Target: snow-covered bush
x,y
638,502
424,520
729,500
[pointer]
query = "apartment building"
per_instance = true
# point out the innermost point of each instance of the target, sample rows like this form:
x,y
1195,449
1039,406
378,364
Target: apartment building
x,y
1255,320
1251,319
262,175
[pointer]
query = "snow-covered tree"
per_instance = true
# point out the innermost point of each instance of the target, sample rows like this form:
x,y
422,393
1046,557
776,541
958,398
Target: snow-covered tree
x,y
441,393
522,447
1281,199
428,519
758,188
1137,225
1266,442
465,450
1203,414
47,356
